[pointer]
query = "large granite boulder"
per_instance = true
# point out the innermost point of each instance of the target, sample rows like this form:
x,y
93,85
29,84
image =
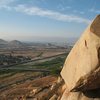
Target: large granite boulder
x,y
83,59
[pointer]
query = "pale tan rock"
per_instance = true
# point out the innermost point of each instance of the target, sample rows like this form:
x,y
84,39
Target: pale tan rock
x,y
53,86
54,97
88,82
59,79
95,27
83,59
84,56
59,98
35,90
64,88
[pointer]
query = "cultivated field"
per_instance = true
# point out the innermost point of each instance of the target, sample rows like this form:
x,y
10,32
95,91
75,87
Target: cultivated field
x,y
33,78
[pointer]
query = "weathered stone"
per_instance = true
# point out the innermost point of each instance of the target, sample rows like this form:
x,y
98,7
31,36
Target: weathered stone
x,y
84,56
81,64
76,96
54,97
95,27
88,82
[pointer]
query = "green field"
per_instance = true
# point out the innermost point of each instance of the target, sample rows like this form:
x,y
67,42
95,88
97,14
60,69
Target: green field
x,y
54,65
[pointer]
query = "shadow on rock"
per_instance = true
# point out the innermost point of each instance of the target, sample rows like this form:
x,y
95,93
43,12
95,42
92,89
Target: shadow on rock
x,y
92,93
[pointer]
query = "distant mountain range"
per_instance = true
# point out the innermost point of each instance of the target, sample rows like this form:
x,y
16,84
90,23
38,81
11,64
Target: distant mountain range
x,y
14,43
19,44
3,41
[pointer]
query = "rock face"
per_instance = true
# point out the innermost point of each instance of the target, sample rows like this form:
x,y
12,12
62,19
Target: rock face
x,y
90,81
83,59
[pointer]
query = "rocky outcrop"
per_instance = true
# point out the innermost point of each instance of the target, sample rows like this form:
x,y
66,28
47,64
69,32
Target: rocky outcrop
x,y
81,69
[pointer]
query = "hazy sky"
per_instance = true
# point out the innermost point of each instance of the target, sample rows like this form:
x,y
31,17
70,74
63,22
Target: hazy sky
x,y
43,19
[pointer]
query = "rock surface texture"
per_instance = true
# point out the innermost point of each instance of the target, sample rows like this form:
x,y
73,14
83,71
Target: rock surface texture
x,y
81,71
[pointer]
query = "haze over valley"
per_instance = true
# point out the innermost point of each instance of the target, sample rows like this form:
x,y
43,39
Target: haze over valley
x,y
36,37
